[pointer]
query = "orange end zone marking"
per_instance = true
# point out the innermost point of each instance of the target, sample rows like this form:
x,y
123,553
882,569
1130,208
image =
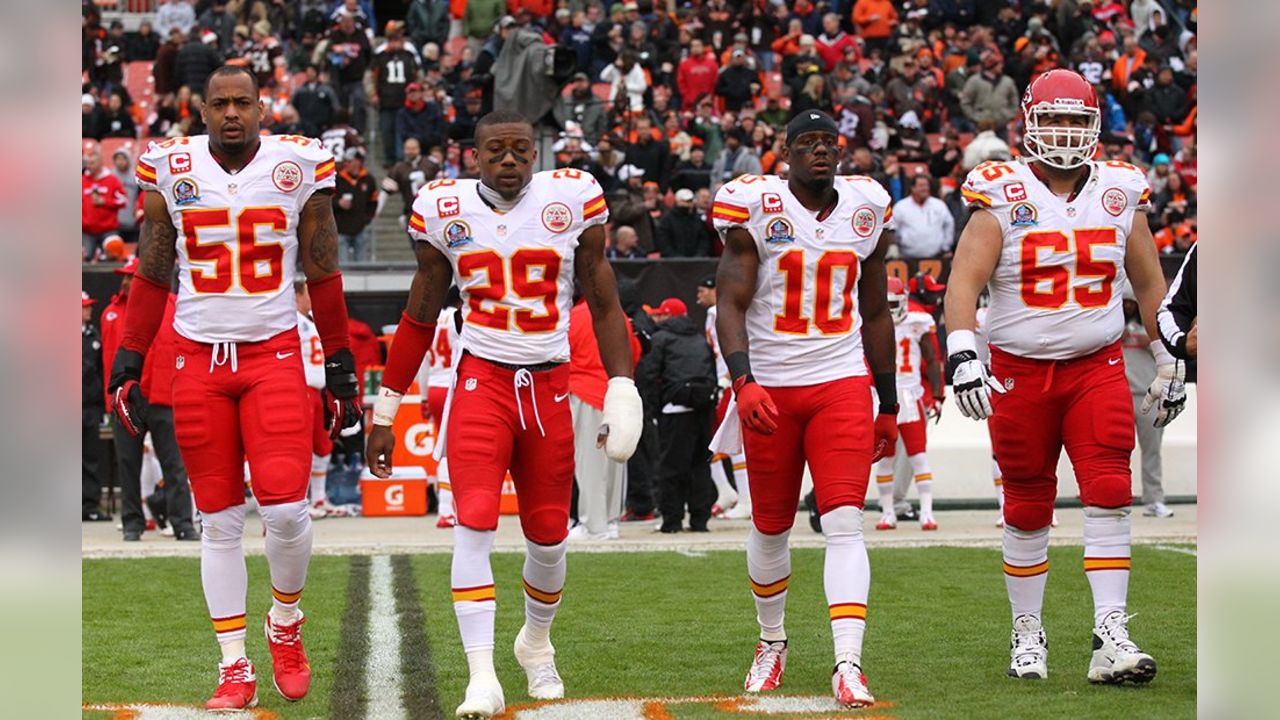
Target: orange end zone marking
x,y
132,711
656,710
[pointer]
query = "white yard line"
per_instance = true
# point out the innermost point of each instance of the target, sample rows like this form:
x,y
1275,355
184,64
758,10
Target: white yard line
x,y
383,675
1170,548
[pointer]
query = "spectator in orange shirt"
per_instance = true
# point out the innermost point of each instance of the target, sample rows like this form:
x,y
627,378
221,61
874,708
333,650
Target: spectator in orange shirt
x,y
876,20
600,495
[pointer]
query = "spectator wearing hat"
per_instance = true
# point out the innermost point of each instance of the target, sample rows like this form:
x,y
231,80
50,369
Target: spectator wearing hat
x,y
92,118
196,60
102,197
736,159
347,53
797,68
681,232
833,42
220,22
678,380
875,20
355,202
91,411
122,168
924,226
394,69
985,146
1158,175
737,85
316,101
265,54
990,95
582,108
697,75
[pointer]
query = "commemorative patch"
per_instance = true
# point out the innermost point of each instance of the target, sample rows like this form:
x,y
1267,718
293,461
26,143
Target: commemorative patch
x,y
1023,215
287,176
779,230
1114,201
185,191
457,233
864,221
557,217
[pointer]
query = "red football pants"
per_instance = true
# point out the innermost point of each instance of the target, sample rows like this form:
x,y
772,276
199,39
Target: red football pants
x,y
829,425
249,402
321,443
1083,404
435,398
504,419
913,435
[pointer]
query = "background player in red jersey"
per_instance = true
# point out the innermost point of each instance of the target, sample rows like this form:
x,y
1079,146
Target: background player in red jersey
x,y
237,211
794,252
514,241
1056,238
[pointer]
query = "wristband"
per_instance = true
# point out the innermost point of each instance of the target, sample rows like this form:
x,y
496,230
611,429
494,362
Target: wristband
x,y
329,307
739,364
961,341
144,313
386,406
887,390
1163,356
410,344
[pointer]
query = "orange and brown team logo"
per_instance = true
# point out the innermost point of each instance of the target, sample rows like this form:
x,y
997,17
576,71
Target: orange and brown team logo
x,y
864,221
1114,201
557,217
287,176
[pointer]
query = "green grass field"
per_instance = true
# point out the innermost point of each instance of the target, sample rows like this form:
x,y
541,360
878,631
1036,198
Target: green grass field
x,y
656,625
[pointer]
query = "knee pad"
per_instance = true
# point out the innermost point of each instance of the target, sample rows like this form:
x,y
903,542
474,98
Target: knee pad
x,y
1027,515
1110,491
547,527
223,530
769,526
286,521
844,524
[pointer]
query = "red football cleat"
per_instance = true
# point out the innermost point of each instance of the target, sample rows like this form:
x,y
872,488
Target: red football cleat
x,y
289,667
237,687
447,521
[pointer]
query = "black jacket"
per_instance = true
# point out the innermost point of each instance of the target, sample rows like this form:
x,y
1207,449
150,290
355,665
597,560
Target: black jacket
x,y
195,62
1179,307
690,176
682,233
91,369
679,367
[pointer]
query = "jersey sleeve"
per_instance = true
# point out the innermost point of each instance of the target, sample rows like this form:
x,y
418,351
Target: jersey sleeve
x,y
145,172
733,206
881,202
594,209
977,191
424,220
1132,180
319,171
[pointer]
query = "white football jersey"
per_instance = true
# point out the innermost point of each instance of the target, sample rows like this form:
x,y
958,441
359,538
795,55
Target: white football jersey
x,y
439,359
237,233
803,324
1055,292
515,269
722,370
909,359
312,352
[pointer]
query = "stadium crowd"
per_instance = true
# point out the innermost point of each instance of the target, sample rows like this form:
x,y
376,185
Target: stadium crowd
x,y
661,102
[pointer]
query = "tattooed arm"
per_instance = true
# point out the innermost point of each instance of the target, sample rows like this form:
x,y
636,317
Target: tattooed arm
x,y
156,242
430,284
318,236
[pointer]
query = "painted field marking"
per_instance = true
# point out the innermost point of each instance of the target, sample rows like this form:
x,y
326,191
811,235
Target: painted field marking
x,y
1171,548
149,711
383,675
792,707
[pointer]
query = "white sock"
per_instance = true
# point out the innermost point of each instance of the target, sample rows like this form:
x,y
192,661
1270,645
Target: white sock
x,y
846,577
444,490
741,480
480,663
1106,558
544,571
769,570
223,575
474,601
288,555
924,482
724,491
1026,568
884,484
319,478
997,479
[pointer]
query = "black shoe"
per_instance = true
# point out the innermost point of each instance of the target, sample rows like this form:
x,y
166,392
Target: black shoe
x,y
186,535
910,515
668,529
698,528
132,535
94,516
156,504
815,517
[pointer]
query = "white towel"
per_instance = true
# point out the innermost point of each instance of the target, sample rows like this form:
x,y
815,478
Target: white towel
x,y
728,437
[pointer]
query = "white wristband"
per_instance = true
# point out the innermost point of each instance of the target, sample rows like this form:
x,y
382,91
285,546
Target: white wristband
x,y
386,406
960,341
621,380
1163,356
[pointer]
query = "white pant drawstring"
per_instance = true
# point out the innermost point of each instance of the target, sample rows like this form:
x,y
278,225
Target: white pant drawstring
x,y
524,378
224,352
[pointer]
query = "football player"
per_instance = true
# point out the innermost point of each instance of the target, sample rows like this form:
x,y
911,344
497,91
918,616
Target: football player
x,y
733,501
915,350
238,211
801,287
1055,237
434,379
514,241
321,443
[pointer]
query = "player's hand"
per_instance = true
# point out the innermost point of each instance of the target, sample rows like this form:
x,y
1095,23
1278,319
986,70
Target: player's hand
x,y
342,401
623,419
1168,393
426,409
382,440
755,407
886,432
972,385
126,394
934,411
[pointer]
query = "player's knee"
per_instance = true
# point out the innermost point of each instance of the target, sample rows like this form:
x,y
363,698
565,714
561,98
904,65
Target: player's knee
x,y
547,527
546,555
1107,492
771,525
842,525
769,543
224,529
1025,515
286,521
1106,513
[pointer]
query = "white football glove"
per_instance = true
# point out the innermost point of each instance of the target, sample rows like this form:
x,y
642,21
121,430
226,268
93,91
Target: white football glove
x,y
623,419
1168,392
972,385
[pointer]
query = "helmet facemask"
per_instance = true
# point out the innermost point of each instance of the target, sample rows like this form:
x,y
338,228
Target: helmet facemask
x,y
1062,146
898,308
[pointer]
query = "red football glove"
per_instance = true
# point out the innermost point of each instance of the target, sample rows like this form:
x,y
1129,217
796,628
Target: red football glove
x,y
934,410
886,433
755,407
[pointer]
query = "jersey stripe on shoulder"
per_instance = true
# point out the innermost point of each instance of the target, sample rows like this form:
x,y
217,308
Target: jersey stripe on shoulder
x,y
594,207
974,197
727,211
325,170
145,172
417,223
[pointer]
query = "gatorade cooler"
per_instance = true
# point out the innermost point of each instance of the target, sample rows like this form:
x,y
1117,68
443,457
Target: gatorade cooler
x,y
404,493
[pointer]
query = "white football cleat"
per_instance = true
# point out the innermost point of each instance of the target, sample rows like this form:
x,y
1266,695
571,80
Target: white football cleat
x,y
850,686
888,521
767,667
1028,649
741,511
1159,510
483,699
1116,659
539,665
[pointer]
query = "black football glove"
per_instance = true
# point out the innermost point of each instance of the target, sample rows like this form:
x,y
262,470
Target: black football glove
x,y
126,394
342,408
